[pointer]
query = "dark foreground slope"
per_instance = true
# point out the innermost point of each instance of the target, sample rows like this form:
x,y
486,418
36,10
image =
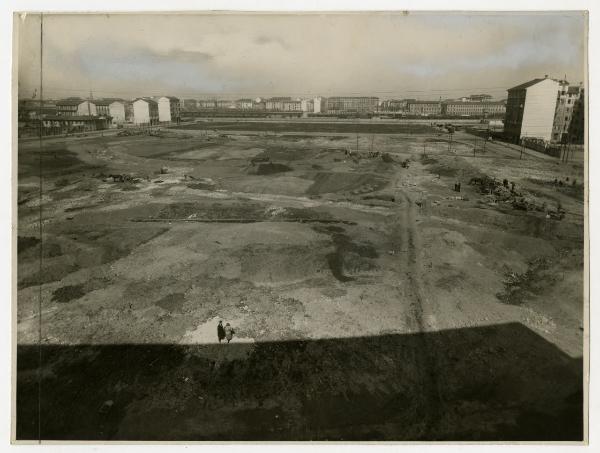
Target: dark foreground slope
x,y
500,382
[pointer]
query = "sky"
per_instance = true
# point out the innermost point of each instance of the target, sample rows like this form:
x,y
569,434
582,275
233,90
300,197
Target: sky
x,y
414,55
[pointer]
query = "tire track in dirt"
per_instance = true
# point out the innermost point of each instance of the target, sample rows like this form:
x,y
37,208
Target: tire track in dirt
x,y
421,319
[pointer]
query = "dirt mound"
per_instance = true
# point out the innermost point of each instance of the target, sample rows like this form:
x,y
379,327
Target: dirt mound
x,y
349,259
345,182
271,168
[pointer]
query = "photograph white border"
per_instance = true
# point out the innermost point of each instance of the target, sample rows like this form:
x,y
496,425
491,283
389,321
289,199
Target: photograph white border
x,y
8,195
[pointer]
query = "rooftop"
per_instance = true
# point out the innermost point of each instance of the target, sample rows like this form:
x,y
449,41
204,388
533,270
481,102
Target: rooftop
x,y
70,101
533,82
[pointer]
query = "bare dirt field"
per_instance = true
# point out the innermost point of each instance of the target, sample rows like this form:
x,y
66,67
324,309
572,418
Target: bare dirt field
x,y
370,300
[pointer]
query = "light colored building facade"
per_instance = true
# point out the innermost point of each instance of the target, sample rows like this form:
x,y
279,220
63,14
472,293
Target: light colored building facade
x,y
283,104
102,108
470,108
169,109
207,104
225,104
395,105
116,111
530,110
244,104
319,105
75,107
424,108
307,105
352,104
58,124
145,111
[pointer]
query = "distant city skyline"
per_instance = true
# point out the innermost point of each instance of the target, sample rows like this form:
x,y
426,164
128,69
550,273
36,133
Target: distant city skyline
x,y
422,55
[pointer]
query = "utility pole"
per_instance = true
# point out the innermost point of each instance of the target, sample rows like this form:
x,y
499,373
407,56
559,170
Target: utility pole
x,y
522,145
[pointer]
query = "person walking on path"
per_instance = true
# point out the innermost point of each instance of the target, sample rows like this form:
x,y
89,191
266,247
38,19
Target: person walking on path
x,y
220,331
229,332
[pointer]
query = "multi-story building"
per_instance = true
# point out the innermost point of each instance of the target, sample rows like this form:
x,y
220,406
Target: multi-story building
x,y
75,107
169,109
190,104
576,129
145,111
352,104
225,104
275,104
424,108
480,97
319,104
395,105
117,112
58,124
563,115
471,108
29,109
307,105
244,104
207,104
530,109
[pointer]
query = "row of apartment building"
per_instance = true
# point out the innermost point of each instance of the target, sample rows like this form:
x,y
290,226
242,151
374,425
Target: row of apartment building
x,y
547,109
460,107
474,105
336,104
93,114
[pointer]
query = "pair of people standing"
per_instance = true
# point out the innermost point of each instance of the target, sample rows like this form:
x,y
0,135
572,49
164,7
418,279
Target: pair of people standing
x,y
225,332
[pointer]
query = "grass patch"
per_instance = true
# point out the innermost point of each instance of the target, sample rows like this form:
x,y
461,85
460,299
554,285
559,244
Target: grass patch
x,y
68,293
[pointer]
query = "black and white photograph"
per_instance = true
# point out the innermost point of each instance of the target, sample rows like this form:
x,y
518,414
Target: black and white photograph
x,y
360,226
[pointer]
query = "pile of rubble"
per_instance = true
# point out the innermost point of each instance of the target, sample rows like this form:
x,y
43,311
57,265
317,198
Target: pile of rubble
x,y
496,191
122,177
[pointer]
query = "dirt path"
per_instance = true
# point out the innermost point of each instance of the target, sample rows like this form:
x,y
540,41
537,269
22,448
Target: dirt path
x,y
405,233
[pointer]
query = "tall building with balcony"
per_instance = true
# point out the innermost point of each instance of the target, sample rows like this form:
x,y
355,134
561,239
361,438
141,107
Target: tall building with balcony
x,y
530,109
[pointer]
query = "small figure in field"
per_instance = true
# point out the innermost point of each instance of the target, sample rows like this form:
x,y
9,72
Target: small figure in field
x,y
220,331
229,332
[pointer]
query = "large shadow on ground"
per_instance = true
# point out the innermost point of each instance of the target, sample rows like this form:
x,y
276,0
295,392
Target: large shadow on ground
x,y
500,382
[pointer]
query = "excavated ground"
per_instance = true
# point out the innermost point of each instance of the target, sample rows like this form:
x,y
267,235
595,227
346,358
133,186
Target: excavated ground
x,y
370,300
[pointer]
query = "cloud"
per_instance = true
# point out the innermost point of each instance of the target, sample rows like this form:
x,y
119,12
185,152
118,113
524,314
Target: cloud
x,y
300,54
